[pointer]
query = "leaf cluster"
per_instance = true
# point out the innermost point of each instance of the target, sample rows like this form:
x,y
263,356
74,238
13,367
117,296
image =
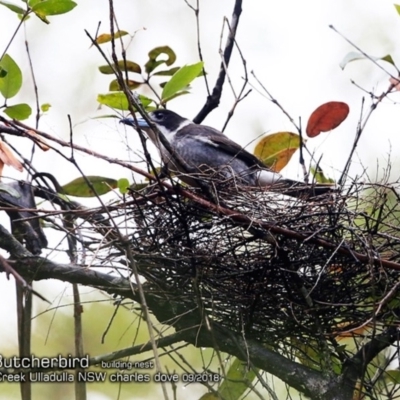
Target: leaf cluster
x,y
177,85
10,72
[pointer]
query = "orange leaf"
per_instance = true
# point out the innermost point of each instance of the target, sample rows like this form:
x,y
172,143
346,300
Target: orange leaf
x,y
1,168
351,332
326,117
276,150
8,158
38,140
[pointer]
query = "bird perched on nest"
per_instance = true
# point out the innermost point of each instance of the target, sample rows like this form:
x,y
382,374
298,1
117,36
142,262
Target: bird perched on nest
x,y
208,152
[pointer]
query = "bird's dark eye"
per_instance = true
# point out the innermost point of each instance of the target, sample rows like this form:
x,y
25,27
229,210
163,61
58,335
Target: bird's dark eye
x,y
159,116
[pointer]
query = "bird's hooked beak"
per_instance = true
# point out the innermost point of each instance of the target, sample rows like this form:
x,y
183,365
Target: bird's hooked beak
x,y
141,123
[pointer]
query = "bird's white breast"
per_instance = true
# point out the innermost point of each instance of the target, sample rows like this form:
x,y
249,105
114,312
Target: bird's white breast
x,y
169,135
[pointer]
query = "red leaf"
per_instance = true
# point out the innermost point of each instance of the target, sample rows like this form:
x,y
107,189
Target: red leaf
x,y
396,83
326,117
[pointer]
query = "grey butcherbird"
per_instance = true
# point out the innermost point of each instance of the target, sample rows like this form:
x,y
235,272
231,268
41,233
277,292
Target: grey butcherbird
x,y
208,151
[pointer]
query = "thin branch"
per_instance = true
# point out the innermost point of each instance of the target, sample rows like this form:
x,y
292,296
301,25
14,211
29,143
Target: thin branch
x,y
35,87
360,129
241,96
22,20
196,11
214,99
275,101
363,53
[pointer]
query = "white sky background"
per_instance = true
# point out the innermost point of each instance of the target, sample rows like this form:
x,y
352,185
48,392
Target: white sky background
x,y
287,43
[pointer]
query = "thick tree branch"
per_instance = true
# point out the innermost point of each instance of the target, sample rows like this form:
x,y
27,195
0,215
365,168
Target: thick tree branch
x,y
355,367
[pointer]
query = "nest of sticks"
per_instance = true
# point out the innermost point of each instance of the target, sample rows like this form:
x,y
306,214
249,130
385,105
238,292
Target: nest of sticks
x,y
271,266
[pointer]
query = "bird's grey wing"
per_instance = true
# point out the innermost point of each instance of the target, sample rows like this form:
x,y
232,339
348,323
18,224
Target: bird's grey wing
x,y
217,140
257,172
209,151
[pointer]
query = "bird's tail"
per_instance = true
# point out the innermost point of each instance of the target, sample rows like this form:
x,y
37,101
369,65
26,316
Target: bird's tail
x,y
303,190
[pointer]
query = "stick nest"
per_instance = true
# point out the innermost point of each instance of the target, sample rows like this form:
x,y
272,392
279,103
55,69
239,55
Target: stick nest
x,y
277,267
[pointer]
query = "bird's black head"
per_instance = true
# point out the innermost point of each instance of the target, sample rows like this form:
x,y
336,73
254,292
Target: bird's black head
x,y
166,119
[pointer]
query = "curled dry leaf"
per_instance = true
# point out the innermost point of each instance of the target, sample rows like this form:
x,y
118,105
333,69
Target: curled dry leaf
x,y
8,158
107,37
326,117
38,140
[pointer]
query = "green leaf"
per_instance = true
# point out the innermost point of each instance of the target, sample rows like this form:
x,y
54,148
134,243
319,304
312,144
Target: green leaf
x,y
388,58
181,79
114,85
393,376
13,7
158,171
79,187
123,185
43,18
106,37
150,108
129,66
12,82
397,7
18,111
52,7
23,17
177,95
108,116
153,62
119,101
45,107
116,100
354,56
277,149
170,72
145,101
238,379
167,72
319,176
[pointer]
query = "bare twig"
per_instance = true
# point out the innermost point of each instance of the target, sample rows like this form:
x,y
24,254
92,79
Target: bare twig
x,y
214,99
196,11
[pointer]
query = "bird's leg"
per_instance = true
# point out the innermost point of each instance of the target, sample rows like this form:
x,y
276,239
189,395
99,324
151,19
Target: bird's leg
x,y
164,172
